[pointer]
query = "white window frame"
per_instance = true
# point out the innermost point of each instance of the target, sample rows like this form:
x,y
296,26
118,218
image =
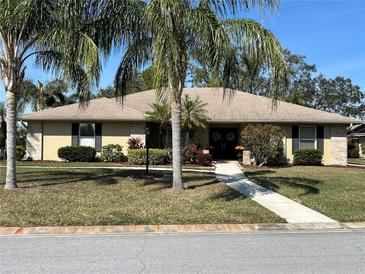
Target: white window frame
x,y
93,124
315,135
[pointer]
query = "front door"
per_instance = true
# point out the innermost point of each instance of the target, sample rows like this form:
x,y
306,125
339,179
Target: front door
x,y
224,141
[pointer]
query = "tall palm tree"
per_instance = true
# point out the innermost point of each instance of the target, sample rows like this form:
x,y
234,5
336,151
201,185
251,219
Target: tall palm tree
x,y
52,34
171,31
52,94
160,114
194,114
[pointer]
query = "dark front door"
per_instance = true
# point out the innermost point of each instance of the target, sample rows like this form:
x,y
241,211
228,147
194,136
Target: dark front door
x,y
224,141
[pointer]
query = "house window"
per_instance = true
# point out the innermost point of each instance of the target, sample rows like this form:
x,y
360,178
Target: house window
x,y
87,135
307,137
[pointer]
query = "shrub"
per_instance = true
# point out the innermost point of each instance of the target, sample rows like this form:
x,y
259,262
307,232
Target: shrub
x,y
112,153
204,159
19,153
77,154
156,156
191,153
353,150
135,143
265,142
308,157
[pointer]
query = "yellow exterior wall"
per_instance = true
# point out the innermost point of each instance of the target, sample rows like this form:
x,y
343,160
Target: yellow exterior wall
x,y
55,135
115,133
289,144
119,133
327,146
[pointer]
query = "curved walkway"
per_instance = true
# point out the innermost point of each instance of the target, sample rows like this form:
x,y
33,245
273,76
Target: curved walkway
x,y
230,173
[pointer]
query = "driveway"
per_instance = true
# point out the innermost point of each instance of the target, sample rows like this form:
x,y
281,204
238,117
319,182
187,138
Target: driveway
x,y
264,252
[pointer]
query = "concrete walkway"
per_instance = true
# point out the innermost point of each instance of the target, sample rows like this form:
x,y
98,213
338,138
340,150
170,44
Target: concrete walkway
x,y
230,173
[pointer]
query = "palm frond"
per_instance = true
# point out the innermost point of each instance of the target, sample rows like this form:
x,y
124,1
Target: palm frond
x,y
138,54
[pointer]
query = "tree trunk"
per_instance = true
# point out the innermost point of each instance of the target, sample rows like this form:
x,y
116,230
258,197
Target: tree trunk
x,y
11,141
176,144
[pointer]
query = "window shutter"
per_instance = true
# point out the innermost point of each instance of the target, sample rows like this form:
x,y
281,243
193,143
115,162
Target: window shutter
x,y
320,137
295,138
75,134
98,134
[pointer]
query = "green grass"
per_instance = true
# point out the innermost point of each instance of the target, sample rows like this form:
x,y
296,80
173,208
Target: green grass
x,y
336,192
107,197
356,161
92,164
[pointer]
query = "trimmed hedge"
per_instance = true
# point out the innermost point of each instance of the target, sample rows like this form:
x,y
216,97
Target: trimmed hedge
x,y
308,157
112,153
19,153
156,156
77,154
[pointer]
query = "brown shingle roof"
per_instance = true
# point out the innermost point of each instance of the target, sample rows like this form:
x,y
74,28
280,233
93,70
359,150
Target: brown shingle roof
x,y
223,107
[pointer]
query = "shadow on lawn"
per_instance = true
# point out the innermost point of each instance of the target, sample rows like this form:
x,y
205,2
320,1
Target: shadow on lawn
x,y
308,186
29,179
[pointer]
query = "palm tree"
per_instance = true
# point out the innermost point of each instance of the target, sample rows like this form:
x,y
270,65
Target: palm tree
x,y
53,94
52,34
194,115
160,114
170,32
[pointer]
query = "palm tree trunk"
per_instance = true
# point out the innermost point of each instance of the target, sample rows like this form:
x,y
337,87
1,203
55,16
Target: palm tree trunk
x,y
11,141
176,144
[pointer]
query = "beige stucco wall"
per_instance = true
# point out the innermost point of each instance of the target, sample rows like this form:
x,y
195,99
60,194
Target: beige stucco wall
x,y
338,145
119,133
55,135
34,140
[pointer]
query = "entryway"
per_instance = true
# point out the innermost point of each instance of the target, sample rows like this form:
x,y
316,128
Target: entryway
x,y
224,141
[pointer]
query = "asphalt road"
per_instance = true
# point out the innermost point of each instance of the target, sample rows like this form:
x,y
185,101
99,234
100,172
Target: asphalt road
x,y
264,252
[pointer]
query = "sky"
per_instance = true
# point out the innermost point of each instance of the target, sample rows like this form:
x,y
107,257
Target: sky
x,y
329,33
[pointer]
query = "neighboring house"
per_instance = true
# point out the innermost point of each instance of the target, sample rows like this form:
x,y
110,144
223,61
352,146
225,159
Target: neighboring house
x,y
106,121
357,132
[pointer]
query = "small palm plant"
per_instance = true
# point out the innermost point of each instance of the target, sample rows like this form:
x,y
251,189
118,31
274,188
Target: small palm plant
x,y
160,113
194,115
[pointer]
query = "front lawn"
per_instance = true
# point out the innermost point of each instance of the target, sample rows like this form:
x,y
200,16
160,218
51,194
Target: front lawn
x,y
94,164
106,197
356,161
336,192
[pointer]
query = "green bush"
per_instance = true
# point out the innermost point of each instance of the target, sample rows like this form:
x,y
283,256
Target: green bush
x,y
77,154
353,150
19,153
265,142
308,157
156,156
112,153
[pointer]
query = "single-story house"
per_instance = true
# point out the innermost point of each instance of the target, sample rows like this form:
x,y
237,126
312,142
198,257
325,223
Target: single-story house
x,y
106,121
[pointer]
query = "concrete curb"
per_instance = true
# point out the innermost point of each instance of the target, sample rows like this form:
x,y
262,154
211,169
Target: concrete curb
x,y
192,228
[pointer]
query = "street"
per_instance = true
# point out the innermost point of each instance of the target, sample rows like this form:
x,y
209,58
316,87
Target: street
x,y
257,252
